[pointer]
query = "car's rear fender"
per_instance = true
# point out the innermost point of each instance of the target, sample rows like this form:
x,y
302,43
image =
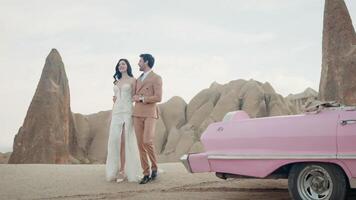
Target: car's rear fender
x,y
196,163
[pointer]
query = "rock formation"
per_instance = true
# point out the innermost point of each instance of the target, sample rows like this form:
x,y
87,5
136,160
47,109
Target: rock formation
x,y
338,72
300,99
172,116
47,134
92,135
211,104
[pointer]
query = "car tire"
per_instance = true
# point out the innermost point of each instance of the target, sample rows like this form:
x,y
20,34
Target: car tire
x,y
317,181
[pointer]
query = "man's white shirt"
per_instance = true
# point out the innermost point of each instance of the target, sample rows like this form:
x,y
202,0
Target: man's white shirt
x,y
145,74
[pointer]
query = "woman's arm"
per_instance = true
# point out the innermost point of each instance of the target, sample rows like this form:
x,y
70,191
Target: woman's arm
x,y
133,84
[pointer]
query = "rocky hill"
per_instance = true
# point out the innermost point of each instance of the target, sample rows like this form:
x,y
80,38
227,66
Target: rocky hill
x,y
300,99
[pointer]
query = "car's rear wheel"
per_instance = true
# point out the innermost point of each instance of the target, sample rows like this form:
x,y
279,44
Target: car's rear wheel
x,y
316,181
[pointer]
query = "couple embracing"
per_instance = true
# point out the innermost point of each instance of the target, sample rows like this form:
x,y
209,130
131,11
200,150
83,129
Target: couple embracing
x,y
132,128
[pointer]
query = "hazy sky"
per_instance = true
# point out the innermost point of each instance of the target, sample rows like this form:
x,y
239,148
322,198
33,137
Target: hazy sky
x,y
194,42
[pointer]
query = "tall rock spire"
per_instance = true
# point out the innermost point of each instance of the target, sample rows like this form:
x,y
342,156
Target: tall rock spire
x,y
338,73
47,134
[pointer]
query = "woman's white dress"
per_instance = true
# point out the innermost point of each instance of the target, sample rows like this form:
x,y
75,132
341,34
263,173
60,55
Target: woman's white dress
x,y
122,114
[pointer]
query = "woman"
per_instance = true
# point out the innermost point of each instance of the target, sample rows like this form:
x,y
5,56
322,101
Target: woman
x,y
123,157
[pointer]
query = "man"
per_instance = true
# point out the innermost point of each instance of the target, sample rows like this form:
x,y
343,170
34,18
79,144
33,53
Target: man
x,y
148,92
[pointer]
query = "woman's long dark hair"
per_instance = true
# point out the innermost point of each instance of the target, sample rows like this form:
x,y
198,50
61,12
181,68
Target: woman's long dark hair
x,y
117,76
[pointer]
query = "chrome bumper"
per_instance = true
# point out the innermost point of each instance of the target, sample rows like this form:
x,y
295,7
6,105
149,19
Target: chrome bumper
x,y
185,160
353,183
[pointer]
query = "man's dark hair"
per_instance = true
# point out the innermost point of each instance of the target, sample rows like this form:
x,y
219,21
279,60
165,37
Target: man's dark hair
x,y
149,59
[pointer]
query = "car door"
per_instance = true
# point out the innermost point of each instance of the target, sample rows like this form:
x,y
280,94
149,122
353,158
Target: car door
x,y
347,139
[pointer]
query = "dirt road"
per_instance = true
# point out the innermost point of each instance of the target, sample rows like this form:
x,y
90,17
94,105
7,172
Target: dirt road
x,y
87,182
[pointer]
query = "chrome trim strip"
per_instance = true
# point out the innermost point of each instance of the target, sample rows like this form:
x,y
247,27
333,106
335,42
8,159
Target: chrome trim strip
x,y
279,156
185,160
353,182
269,156
346,156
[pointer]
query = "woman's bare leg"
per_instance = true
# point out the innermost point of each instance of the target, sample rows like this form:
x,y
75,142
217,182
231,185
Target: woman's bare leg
x,y
122,150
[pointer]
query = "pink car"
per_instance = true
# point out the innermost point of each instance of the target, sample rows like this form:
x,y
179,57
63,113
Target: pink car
x,y
315,151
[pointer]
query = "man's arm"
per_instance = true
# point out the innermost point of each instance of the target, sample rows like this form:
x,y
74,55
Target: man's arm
x,y
157,93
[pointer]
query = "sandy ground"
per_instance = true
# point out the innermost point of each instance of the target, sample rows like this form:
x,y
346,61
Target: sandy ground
x,y
88,182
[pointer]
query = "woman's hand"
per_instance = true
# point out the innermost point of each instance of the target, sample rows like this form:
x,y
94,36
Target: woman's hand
x,y
114,98
136,98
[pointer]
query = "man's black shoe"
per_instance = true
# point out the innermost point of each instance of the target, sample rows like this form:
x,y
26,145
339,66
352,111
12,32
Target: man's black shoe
x,y
154,175
145,180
